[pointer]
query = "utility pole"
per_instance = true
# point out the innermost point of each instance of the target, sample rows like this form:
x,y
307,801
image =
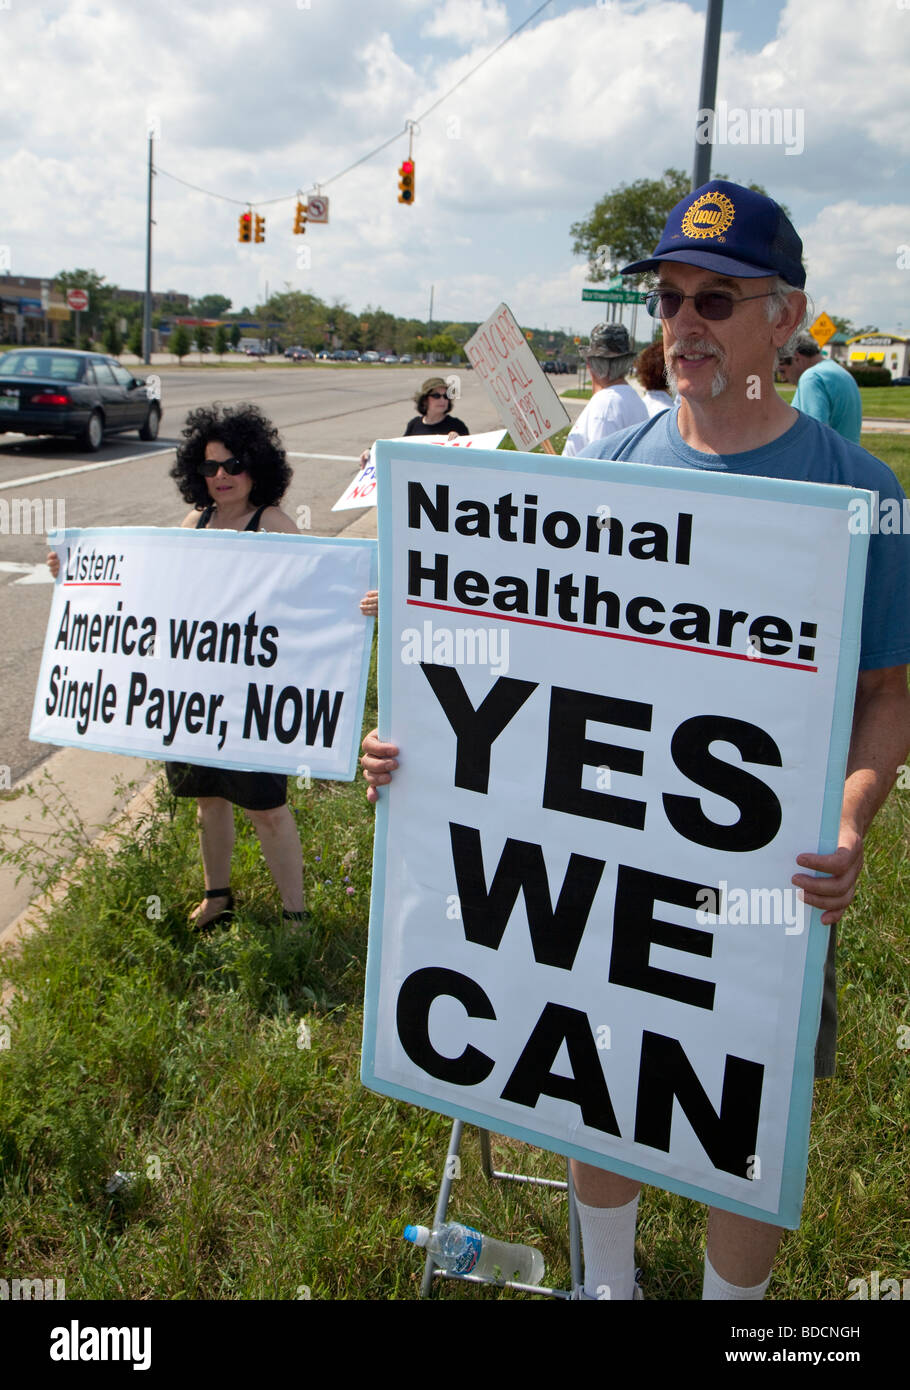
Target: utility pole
x,y
701,169
147,306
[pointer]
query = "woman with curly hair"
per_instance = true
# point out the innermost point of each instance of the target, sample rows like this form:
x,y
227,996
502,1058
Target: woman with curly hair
x,y
233,468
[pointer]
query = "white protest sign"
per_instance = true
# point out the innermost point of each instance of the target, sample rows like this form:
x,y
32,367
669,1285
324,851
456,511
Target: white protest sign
x,y
511,375
361,491
231,649
623,698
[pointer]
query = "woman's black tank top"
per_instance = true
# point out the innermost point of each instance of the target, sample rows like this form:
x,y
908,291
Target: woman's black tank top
x,y
252,524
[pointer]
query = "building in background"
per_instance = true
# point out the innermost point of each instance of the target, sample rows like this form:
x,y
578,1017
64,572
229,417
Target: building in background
x,y
887,350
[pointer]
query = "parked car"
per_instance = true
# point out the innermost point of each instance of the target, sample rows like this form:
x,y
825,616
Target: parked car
x,y
256,352
388,357
406,357
300,354
83,394
324,356
550,368
370,356
900,381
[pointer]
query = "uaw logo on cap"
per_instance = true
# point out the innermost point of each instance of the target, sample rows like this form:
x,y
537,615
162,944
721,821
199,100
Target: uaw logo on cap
x,y
709,216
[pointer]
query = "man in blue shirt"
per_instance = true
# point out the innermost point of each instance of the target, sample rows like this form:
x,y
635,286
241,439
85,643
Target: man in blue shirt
x,y
730,296
824,389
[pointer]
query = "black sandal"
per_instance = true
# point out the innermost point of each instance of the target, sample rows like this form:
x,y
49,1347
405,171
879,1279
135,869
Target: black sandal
x,y
225,915
289,916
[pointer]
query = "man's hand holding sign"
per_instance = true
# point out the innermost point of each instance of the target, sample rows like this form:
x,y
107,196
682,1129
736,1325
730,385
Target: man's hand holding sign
x,y
586,926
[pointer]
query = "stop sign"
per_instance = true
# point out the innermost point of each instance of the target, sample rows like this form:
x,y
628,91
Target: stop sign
x,y
77,299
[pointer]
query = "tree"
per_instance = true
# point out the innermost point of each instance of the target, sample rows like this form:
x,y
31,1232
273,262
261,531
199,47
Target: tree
x,y
849,328
179,343
203,337
210,306
626,224
443,345
221,338
236,334
100,296
112,338
300,315
134,342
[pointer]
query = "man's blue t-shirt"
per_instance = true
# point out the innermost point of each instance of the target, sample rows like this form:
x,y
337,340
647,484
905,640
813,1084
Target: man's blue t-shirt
x,y
807,452
828,393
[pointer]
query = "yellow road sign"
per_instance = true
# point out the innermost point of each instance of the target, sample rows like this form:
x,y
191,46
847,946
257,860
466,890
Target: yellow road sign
x,y
823,329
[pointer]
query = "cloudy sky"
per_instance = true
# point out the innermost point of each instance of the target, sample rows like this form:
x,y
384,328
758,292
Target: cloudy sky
x,y
255,100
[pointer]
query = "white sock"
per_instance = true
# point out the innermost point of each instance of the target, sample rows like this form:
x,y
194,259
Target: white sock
x,y
608,1238
715,1288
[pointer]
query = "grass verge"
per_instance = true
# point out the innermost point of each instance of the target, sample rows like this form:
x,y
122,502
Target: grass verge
x,y
223,1073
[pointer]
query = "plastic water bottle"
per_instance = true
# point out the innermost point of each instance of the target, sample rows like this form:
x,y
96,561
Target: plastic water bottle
x,y
462,1250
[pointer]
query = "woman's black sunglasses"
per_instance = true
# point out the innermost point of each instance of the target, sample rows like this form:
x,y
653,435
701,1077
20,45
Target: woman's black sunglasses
x,y
709,304
209,467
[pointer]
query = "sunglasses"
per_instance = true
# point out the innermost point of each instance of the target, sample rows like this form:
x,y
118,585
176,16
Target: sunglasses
x,y
437,395
209,467
709,304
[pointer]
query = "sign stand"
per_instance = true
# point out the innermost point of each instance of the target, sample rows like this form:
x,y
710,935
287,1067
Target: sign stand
x,y
431,1270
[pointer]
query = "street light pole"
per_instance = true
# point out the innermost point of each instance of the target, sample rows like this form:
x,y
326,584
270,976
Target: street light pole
x,y
701,169
147,306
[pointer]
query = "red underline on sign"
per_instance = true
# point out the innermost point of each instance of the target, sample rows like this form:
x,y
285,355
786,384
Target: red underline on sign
x,y
619,636
91,583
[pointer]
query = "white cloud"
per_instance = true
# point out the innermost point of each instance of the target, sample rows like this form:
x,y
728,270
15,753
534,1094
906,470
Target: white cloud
x,y
256,101
467,21
849,245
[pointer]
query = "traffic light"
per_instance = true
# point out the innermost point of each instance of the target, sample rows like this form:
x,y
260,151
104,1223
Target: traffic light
x,y
260,228
243,228
300,220
406,181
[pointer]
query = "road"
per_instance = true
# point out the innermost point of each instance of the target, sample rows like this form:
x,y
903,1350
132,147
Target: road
x,y
332,412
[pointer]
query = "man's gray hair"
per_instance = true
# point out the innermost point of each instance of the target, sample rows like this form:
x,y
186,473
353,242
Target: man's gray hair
x,y
610,368
777,302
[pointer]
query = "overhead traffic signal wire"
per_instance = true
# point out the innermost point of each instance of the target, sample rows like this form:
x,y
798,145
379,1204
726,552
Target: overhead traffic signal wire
x,y
324,183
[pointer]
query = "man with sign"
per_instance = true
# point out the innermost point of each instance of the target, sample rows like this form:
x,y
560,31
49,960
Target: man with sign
x,y
729,297
824,389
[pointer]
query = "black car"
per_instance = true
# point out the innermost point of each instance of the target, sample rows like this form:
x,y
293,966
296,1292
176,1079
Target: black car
x,y
85,394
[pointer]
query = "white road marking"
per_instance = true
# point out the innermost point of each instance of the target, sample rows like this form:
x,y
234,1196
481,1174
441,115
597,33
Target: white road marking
x,y
82,468
31,574
334,458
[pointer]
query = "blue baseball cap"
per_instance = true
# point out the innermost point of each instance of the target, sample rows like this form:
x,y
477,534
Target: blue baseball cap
x,y
733,230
